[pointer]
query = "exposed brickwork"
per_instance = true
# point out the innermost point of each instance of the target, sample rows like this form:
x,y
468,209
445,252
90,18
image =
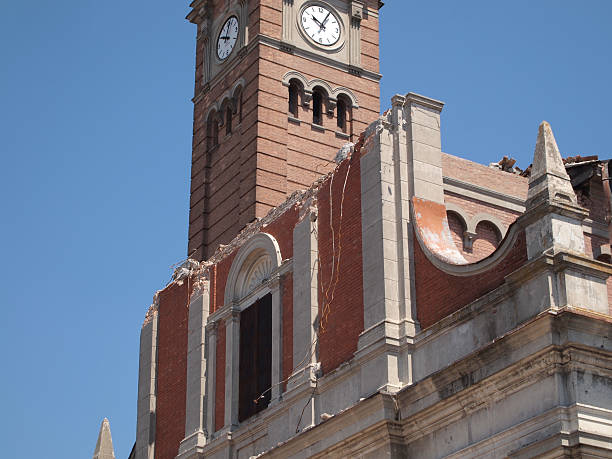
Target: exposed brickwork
x,y
486,241
282,230
220,377
591,242
591,195
341,284
483,176
287,346
440,294
171,369
457,228
220,272
475,206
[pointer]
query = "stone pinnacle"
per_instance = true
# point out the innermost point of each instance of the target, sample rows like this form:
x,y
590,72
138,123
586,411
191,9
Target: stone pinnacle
x,y
104,446
549,180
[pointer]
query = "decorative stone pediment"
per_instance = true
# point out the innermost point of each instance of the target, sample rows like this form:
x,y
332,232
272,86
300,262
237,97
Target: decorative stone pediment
x,y
255,262
257,274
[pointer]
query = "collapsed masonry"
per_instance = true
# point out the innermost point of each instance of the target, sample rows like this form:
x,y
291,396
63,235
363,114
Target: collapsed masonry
x,y
408,304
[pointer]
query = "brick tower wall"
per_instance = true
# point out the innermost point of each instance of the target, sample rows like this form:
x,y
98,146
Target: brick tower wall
x,y
267,156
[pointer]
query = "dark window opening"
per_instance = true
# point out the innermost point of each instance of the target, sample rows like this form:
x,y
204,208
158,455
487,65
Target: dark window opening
x,y
228,120
255,376
317,108
212,132
215,133
240,110
293,99
341,118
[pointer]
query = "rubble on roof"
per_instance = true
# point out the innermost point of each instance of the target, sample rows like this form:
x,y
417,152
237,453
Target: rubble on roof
x,y
507,164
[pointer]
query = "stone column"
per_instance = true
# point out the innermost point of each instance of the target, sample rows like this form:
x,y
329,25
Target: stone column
x,y
422,125
147,386
379,343
277,339
211,371
232,369
195,430
305,295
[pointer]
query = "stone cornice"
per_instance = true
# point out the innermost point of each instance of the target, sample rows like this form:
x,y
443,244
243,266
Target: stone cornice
x,y
484,194
417,99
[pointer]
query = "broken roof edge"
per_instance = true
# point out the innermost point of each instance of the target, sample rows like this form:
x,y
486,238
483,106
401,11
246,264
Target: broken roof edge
x,y
437,246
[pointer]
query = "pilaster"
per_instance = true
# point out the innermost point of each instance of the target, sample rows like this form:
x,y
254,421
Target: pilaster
x,y
305,295
195,428
211,371
232,369
147,386
356,15
277,341
422,125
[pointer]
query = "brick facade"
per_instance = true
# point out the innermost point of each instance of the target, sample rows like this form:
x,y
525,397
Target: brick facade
x,y
440,294
171,369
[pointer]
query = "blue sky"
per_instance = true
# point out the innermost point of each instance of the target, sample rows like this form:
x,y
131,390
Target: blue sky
x,y
95,139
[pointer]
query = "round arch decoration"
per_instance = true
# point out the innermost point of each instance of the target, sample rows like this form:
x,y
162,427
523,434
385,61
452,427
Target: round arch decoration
x,y
255,262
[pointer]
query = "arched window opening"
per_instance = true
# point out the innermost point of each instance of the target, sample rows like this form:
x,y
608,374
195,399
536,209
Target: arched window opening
x,y
341,116
240,108
293,99
487,239
255,371
228,120
457,228
317,107
212,131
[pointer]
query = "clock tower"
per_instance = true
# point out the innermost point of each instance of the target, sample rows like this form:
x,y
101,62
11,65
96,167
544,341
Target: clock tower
x,y
280,86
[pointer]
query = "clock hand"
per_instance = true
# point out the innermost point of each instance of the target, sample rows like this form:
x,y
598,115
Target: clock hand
x,y
325,20
316,20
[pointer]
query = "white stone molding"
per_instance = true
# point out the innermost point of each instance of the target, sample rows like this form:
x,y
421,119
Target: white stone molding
x,y
305,295
213,111
211,379
471,269
254,273
261,245
483,194
388,271
287,33
308,86
424,146
195,416
355,34
232,369
471,222
147,389
208,30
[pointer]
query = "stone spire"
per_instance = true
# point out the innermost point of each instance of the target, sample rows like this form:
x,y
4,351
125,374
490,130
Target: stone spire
x,y
549,181
553,217
104,447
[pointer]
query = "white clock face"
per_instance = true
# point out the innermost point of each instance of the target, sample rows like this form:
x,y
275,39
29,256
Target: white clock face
x,y
321,25
227,37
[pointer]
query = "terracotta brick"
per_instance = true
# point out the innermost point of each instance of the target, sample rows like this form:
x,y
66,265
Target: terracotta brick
x,y
171,369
